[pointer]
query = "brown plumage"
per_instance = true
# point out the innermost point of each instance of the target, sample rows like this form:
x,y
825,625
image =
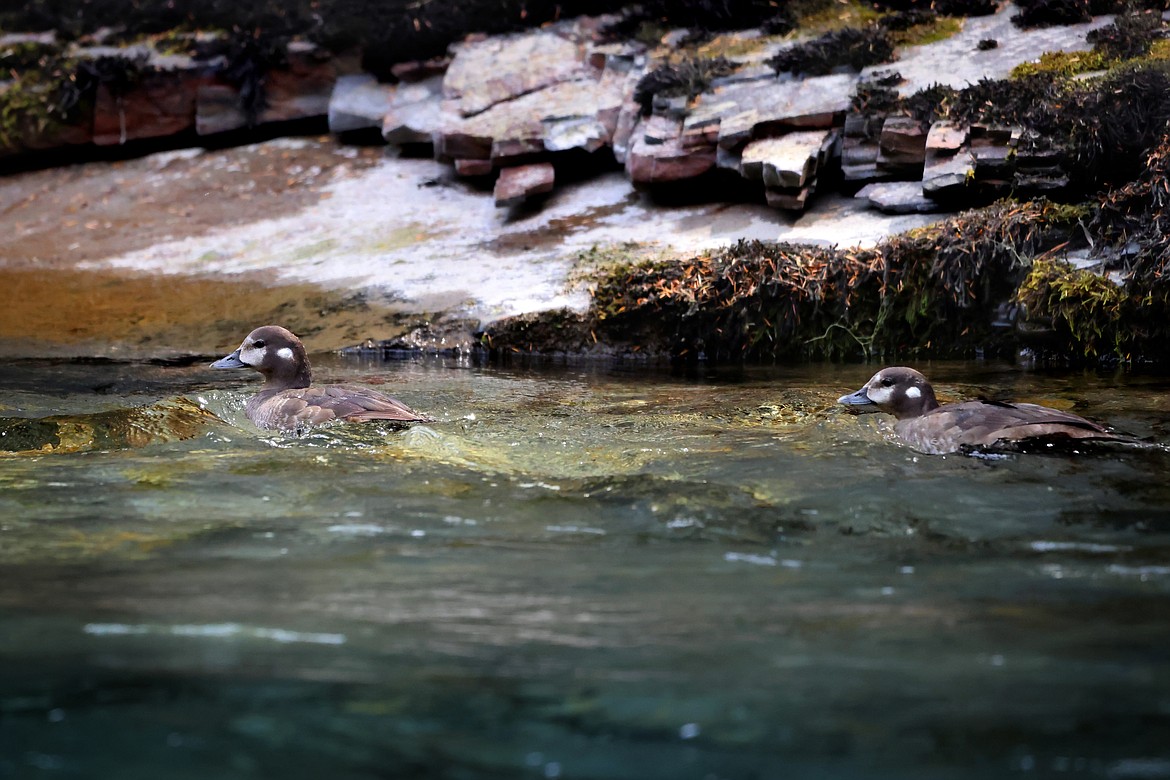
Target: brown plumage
x,y
937,430
287,401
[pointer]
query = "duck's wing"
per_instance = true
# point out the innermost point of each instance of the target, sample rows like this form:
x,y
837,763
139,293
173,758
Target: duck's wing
x,y
983,423
293,409
360,404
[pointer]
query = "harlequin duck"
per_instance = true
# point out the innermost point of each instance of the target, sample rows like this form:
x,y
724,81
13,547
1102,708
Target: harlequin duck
x,y
938,430
287,402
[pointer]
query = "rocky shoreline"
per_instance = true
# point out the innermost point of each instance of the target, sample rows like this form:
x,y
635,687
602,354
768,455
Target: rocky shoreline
x,y
959,113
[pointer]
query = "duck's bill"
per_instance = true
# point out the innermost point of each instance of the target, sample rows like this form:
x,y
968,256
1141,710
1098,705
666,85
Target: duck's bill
x,y
231,361
858,402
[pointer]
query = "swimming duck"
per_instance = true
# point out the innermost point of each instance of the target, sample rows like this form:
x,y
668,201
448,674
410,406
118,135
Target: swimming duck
x,y
937,430
287,402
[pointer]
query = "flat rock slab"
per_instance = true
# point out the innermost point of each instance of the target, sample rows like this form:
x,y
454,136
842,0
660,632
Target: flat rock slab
x,y
898,197
744,110
517,184
495,70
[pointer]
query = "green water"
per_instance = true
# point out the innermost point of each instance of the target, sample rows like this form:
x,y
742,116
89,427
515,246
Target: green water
x,y
576,572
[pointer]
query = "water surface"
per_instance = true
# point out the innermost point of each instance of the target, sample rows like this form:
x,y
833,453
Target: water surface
x,y
597,571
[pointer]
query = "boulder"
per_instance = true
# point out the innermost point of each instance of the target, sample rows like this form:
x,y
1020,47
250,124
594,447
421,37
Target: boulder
x,y
162,104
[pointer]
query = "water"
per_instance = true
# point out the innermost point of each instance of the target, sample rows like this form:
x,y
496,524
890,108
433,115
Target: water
x,y
582,572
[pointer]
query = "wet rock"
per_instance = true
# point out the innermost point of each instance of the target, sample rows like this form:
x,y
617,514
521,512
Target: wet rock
x,y
993,153
300,90
413,116
453,336
161,105
899,197
358,102
517,184
859,148
959,61
795,199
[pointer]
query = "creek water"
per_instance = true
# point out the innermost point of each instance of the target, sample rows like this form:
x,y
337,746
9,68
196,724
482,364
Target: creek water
x,y
578,571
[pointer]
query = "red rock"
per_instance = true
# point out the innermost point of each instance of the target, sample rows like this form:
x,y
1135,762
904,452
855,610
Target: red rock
x,y
160,106
658,155
473,167
518,183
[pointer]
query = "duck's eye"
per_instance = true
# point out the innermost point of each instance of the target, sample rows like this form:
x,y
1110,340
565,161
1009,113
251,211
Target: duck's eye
x,y
259,343
887,382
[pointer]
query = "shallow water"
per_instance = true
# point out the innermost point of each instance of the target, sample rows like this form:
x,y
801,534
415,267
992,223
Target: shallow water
x,y
590,571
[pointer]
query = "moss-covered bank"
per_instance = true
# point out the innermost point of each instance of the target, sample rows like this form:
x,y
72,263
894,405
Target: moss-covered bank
x,y
982,282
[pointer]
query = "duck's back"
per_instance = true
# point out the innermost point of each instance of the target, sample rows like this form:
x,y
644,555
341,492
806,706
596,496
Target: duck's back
x,y
983,423
295,408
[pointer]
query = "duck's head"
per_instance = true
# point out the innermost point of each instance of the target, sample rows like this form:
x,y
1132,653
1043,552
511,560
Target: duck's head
x,y
274,352
900,391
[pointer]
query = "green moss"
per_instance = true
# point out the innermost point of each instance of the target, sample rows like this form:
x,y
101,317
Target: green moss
x,y
817,18
1062,63
1085,309
938,29
27,109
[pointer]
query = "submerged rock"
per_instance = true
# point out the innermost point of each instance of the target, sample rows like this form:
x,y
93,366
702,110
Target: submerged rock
x,y
173,420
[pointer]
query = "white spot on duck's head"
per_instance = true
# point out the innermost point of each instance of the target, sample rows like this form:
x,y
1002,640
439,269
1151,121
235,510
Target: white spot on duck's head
x,y
284,353
913,392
